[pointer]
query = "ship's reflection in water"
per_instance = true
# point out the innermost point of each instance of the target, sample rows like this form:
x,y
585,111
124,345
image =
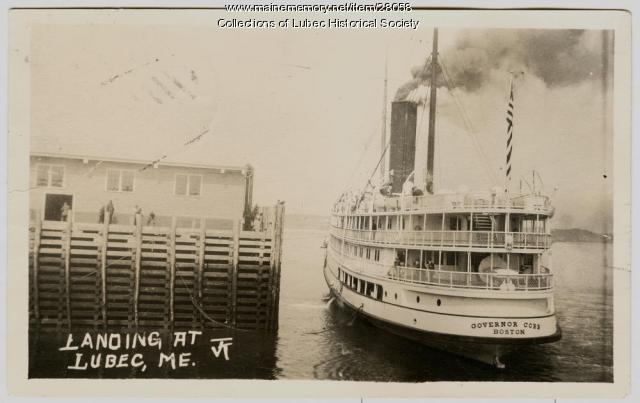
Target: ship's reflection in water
x,y
319,340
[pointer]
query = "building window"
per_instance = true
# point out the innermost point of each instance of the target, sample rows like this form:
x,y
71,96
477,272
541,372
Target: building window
x,y
188,185
50,176
120,180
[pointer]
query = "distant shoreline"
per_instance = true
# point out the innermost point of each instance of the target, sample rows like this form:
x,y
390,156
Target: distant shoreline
x,y
320,222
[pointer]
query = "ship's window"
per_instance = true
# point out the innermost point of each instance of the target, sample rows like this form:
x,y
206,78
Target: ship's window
x,y
385,293
370,289
449,258
438,302
379,292
395,296
455,223
368,253
388,222
418,299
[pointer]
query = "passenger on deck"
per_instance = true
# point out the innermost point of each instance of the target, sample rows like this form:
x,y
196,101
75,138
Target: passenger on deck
x,y
407,188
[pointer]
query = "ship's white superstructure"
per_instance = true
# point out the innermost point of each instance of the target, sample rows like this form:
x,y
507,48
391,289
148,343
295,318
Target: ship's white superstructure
x,y
467,272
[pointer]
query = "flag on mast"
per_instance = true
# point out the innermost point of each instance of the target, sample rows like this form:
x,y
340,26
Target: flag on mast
x,y
509,131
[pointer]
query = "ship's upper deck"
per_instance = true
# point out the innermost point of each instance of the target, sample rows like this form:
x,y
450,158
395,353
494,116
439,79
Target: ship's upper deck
x,y
374,203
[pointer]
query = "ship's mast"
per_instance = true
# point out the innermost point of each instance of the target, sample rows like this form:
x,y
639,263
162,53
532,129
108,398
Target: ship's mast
x,y
432,112
383,136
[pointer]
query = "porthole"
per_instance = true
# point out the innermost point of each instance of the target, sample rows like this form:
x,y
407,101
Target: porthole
x,y
438,302
415,321
418,299
395,296
385,293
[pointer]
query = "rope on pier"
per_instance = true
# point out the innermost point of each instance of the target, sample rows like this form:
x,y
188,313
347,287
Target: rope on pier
x,y
202,311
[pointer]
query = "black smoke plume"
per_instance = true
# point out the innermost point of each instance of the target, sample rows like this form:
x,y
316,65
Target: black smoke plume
x,y
558,57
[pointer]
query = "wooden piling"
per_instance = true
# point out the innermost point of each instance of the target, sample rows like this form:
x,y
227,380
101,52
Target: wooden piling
x,y
172,269
234,271
67,267
103,269
137,260
202,243
201,246
277,246
36,258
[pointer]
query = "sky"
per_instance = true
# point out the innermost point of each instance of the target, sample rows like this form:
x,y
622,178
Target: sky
x,y
304,107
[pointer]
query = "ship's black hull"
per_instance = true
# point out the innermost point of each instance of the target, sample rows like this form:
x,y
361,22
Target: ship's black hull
x,y
488,351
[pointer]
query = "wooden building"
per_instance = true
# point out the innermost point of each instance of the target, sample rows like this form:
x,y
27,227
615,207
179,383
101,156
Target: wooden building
x,y
187,191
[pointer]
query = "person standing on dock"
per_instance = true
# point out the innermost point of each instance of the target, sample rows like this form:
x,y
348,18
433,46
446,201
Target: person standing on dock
x,y
151,221
64,211
109,212
137,214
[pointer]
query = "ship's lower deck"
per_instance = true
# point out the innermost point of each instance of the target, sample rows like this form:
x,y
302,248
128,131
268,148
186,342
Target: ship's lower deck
x,y
476,324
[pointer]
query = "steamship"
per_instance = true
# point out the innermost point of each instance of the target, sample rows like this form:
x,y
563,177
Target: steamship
x,y
467,272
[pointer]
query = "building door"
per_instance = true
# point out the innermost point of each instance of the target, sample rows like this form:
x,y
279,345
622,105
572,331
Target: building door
x,y
54,205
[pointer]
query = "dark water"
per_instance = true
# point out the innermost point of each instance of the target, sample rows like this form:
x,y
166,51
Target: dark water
x,y
317,340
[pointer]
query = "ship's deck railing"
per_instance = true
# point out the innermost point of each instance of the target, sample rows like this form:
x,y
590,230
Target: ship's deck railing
x,y
475,239
444,203
449,278
487,281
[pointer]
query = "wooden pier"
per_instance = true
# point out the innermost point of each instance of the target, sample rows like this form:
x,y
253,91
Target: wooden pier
x,y
109,276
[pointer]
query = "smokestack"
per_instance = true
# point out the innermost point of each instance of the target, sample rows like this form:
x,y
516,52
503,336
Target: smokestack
x,y
402,145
